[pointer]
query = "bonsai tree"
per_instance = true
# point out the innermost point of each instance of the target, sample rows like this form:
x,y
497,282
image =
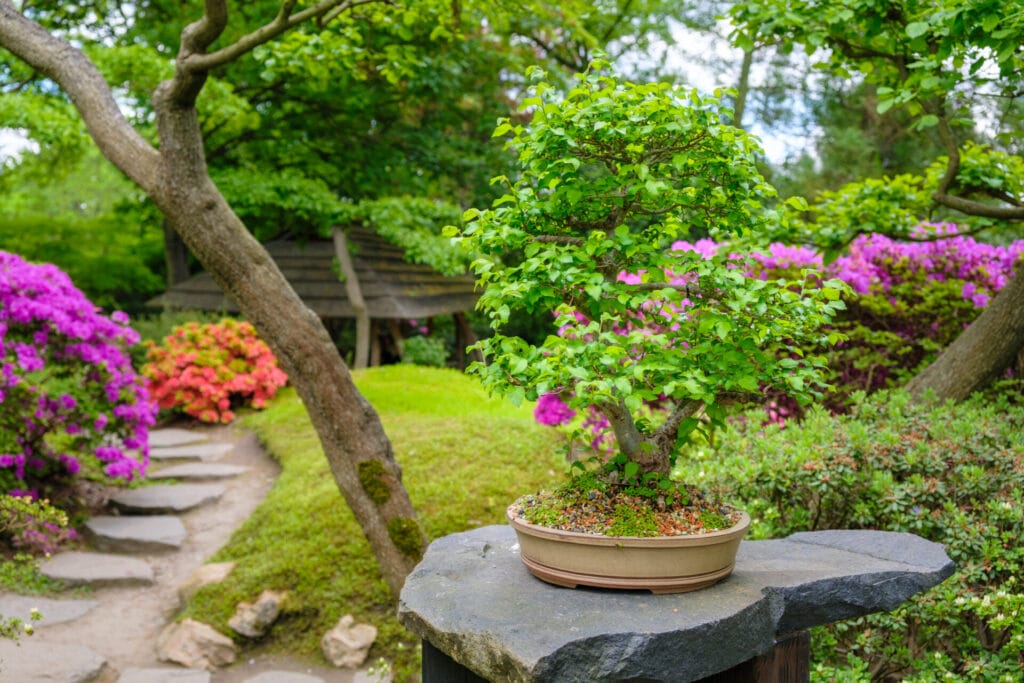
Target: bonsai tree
x,y
613,176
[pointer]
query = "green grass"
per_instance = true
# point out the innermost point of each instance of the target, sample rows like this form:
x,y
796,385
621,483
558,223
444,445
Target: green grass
x,y
465,457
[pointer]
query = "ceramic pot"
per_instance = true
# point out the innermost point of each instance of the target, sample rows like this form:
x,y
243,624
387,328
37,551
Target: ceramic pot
x,y
660,564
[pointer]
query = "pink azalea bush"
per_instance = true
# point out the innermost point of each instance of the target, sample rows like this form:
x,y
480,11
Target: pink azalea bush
x,y
67,387
207,371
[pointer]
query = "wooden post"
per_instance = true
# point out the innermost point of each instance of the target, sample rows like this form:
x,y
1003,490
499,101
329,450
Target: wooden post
x,y
465,336
355,298
788,662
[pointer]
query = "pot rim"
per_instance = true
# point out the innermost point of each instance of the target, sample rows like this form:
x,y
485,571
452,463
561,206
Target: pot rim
x,y
737,530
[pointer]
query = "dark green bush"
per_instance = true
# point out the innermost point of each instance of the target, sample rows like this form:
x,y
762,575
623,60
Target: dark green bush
x,y
953,474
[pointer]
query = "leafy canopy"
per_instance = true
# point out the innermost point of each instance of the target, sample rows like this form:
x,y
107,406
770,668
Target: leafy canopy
x,y
611,174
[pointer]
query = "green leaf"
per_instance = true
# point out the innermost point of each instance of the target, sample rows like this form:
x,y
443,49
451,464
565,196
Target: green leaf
x,y
917,28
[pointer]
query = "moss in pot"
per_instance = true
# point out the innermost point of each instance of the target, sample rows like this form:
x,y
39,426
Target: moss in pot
x,y
612,177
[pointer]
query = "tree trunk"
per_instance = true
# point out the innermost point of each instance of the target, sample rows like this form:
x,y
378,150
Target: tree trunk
x,y
358,451
985,349
176,178
743,88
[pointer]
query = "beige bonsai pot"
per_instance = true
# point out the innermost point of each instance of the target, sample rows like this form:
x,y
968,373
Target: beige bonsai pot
x,y
661,564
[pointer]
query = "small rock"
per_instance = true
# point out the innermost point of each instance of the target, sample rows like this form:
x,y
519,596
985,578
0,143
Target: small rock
x,y
253,619
204,576
348,643
194,645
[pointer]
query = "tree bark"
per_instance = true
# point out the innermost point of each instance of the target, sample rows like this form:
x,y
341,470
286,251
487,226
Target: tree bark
x,y
985,349
176,178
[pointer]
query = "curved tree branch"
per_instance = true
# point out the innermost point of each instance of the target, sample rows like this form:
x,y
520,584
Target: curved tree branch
x,y
285,20
58,60
967,206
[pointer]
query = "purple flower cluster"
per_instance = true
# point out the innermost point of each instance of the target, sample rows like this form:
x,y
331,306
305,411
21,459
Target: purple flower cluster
x,y
552,411
876,262
67,386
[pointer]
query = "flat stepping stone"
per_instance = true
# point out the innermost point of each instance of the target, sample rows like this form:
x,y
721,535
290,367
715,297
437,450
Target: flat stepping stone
x,y
53,611
166,498
198,470
160,438
32,661
199,451
136,534
178,675
283,677
97,569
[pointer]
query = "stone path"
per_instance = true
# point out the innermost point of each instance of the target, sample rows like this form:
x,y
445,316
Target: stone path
x,y
140,554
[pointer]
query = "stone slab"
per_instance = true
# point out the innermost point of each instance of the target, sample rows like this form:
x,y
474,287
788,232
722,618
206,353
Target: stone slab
x,y
283,677
163,438
97,569
150,533
53,611
197,470
177,675
199,451
166,498
29,661
472,598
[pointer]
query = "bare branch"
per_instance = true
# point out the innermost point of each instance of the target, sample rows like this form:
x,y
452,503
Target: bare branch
x,y
77,76
284,21
560,239
966,206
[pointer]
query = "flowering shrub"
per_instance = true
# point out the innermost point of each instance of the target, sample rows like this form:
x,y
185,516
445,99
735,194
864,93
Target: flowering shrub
x,y
953,474
908,301
67,386
207,370
33,524
912,300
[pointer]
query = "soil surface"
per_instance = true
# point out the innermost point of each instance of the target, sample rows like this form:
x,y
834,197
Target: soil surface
x,y
125,626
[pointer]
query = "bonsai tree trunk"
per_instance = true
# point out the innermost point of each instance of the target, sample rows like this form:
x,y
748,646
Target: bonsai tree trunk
x,y
987,347
652,452
176,178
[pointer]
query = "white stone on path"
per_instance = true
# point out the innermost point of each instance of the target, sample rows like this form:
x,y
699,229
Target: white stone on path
x,y
164,676
53,611
197,470
199,451
97,569
195,645
161,438
166,498
148,533
28,661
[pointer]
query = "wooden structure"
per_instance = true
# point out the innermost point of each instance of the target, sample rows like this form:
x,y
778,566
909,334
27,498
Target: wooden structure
x,y
356,275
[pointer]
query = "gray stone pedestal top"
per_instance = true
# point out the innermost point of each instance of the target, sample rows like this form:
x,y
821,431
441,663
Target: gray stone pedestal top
x,y
472,598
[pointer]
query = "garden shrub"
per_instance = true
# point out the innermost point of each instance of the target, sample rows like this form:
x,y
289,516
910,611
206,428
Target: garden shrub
x,y
423,350
68,393
209,370
953,474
